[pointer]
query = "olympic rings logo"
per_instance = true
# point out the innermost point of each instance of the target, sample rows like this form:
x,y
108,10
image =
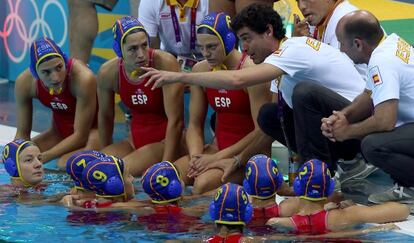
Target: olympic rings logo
x,y
14,21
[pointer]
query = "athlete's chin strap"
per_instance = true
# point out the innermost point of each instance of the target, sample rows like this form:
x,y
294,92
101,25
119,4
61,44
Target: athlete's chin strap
x,y
219,67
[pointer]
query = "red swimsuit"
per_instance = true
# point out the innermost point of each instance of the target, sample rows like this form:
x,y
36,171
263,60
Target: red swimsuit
x,y
234,118
311,224
149,121
260,218
63,105
229,239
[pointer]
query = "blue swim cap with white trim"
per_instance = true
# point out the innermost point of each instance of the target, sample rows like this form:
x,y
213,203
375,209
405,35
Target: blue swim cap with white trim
x,y
314,181
105,177
78,162
162,183
43,48
121,29
262,178
219,23
231,206
11,158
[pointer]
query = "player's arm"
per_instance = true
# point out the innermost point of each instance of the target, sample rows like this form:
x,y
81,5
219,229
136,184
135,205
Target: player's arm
x,y
83,87
385,94
383,119
174,108
360,108
284,222
229,79
24,91
107,82
197,111
383,213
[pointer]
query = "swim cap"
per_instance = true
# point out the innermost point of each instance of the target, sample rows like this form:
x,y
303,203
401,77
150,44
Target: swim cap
x,y
121,29
162,183
231,206
77,163
219,23
105,177
314,181
262,178
41,49
11,157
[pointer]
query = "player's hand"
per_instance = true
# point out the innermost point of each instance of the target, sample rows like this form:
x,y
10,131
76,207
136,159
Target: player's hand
x,y
327,126
300,27
200,164
158,78
340,127
228,166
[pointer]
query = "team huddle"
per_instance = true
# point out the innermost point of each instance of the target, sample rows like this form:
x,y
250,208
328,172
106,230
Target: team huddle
x,y
340,92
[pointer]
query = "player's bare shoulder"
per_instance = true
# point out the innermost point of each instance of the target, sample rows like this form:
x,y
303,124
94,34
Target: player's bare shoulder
x,y
108,73
201,66
82,78
25,84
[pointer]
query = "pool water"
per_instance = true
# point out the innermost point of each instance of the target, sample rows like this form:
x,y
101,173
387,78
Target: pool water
x,y
48,222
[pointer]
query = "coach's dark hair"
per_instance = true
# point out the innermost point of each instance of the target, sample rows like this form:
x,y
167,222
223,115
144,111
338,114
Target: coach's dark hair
x,y
257,17
365,28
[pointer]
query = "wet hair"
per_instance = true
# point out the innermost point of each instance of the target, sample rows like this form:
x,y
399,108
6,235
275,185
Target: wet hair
x,y
257,17
133,32
367,29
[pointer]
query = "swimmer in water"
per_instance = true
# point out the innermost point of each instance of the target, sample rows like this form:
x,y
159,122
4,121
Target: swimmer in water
x,y
162,183
262,182
231,211
23,162
75,166
312,186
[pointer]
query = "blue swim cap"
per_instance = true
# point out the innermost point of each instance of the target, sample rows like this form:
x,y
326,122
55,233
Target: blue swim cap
x,y
314,181
162,183
121,29
11,157
105,177
78,162
262,178
41,49
231,206
219,23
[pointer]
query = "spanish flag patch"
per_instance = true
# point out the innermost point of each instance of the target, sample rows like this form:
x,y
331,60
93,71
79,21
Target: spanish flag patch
x,y
375,76
376,79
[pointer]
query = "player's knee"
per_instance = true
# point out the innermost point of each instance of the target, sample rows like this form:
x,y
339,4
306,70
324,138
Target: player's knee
x,y
371,150
201,185
303,91
61,163
267,116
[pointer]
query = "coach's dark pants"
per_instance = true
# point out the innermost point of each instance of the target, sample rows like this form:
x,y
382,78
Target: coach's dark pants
x,y
393,152
311,102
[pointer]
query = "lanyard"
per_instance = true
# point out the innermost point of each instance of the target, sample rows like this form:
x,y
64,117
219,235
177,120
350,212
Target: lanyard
x,y
177,27
280,104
